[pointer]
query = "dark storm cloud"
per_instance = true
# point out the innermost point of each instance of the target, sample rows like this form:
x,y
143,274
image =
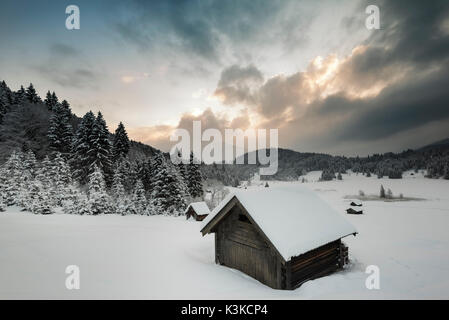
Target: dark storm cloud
x,y
413,39
399,108
197,26
411,33
408,58
236,82
236,74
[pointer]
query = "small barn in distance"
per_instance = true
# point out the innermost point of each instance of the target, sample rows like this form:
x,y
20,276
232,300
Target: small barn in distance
x,y
197,210
280,236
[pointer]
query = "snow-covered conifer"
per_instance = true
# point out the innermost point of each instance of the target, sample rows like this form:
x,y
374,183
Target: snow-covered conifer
x,y
99,200
60,132
145,172
12,173
46,177
30,163
120,145
168,189
31,94
382,191
62,177
194,178
2,203
119,195
128,173
20,96
45,173
54,99
139,200
49,101
389,194
100,151
150,210
82,159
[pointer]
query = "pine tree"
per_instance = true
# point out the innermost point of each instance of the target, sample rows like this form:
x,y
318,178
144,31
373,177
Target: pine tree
x,y
82,158
60,132
51,100
5,100
2,203
32,197
66,108
150,210
62,180
382,191
194,178
119,194
20,96
11,178
62,171
168,189
54,99
46,177
77,203
3,110
120,145
99,201
30,163
101,148
446,171
145,173
182,168
128,174
48,100
31,94
389,194
327,175
45,173
139,200
41,203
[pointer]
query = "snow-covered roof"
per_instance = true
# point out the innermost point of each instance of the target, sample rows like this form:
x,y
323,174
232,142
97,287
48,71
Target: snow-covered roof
x,y
199,207
294,219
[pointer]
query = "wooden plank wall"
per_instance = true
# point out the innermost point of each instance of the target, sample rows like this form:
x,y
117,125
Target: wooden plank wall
x,y
239,246
316,263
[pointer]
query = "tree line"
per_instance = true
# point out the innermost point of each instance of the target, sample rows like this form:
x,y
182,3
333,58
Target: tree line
x,y
88,169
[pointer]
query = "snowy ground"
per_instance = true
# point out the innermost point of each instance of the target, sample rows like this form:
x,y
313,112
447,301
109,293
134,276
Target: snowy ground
x,y
163,257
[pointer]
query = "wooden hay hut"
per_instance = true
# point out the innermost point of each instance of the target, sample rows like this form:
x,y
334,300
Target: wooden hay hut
x,y
281,236
197,210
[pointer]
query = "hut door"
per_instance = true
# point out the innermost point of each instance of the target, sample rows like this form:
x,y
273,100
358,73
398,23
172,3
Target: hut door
x,y
241,257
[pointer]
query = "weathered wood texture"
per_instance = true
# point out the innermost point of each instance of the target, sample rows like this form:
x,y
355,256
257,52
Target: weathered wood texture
x,y
316,263
240,246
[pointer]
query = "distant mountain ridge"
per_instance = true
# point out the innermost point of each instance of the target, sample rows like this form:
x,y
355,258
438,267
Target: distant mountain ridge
x,y
293,164
441,144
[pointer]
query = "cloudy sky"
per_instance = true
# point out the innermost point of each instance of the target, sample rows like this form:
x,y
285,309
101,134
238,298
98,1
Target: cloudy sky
x,y
310,69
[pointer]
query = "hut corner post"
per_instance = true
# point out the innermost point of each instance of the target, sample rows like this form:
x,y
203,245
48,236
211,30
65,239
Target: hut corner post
x,y
217,259
288,275
343,255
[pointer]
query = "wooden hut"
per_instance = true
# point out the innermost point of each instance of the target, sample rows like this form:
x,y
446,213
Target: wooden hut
x,y
197,210
281,236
